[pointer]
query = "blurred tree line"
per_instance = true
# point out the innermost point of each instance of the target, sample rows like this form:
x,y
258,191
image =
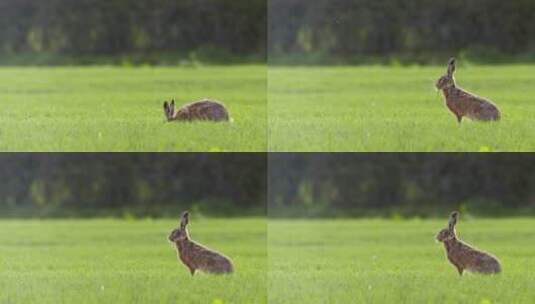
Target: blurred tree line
x,y
81,28
90,184
418,30
405,184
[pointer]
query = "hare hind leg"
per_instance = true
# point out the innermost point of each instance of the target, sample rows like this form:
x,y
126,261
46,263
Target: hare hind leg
x,y
459,118
191,270
459,269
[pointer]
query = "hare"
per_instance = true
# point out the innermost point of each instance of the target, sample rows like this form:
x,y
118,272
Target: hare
x,y
201,110
463,103
463,256
195,256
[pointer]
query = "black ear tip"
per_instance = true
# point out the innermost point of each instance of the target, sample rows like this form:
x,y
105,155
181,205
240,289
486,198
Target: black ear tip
x,y
452,60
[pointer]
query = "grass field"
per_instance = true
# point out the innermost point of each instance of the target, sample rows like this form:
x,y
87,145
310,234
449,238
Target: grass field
x,y
115,261
378,108
120,109
381,261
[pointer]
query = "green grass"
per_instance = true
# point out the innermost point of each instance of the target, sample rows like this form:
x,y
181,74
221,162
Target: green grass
x,y
310,261
382,261
116,261
377,108
120,109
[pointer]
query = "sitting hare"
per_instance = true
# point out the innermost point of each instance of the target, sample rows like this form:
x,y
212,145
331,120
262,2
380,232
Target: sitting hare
x,y
463,103
463,256
201,110
196,256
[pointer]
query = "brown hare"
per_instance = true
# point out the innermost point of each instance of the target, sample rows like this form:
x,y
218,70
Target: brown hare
x,y
195,256
463,256
208,110
463,103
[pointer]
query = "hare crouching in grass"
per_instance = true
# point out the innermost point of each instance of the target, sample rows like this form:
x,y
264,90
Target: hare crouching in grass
x,y
195,256
463,103
207,110
463,256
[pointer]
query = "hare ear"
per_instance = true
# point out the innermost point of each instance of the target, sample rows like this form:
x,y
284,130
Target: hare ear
x,y
453,220
184,219
173,102
451,66
165,105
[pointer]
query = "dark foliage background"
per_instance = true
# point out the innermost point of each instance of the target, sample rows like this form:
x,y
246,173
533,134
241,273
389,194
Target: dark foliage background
x,y
417,30
300,184
224,31
80,184
152,31
400,184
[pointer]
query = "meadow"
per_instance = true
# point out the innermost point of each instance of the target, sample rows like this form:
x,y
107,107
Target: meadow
x,y
121,261
395,261
121,108
394,108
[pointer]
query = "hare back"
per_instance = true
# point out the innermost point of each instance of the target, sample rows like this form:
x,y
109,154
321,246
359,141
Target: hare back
x,y
463,103
205,110
216,264
472,259
486,264
199,257
486,111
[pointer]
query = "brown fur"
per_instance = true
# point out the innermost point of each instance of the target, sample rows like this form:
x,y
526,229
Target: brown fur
x,y
204,110
463,256
194,255
463,103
